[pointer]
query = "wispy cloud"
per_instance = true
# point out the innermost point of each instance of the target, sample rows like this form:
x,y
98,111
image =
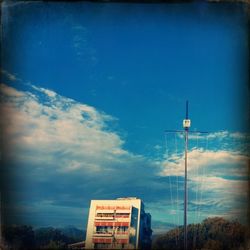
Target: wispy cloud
x,y
10,76
11,3
218,135
81,45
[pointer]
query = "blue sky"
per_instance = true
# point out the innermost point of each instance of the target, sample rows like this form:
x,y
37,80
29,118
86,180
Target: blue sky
x,y
88,90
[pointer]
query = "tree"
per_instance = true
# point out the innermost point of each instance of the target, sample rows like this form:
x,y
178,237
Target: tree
x,y
19,237
213,233
51,238
25,238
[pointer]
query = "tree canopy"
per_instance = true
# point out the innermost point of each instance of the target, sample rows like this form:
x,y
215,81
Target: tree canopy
x,y
25,237
213,233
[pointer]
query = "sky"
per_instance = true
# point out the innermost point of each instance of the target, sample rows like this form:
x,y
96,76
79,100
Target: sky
x,y
87,91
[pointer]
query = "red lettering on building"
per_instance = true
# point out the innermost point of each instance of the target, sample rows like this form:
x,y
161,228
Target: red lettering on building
x,y
113,207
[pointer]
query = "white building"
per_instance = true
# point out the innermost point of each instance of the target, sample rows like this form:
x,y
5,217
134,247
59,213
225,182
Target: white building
x,y
118,224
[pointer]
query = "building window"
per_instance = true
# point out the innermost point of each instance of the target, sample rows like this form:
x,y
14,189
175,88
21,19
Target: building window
x,y
122,229
104,229
102,246
110,215
105,215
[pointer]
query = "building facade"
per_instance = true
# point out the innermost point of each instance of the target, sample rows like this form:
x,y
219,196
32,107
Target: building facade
x,y
118,224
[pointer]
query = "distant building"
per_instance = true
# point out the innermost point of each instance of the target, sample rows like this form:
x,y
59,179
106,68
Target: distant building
x,y
118,224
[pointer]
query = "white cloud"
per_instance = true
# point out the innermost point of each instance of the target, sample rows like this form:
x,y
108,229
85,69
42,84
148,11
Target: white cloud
x,y
199,159
239,135
220,135
9,91
219,185
217,181
48,92
60,125
227,198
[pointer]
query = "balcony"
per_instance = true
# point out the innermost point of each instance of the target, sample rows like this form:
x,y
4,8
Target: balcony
x,y
112,223
104,218
103,233
102,240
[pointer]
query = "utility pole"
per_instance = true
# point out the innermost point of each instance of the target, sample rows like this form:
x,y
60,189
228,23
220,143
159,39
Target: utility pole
x,y
186,126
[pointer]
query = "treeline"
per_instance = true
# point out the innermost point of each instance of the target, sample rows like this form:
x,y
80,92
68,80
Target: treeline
x,y
27,238
212,234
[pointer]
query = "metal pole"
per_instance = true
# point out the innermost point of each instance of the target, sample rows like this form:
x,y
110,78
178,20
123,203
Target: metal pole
x,y
185,181
185,192
186,125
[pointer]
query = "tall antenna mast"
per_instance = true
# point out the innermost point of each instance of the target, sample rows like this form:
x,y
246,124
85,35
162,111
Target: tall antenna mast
x,y
186,126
